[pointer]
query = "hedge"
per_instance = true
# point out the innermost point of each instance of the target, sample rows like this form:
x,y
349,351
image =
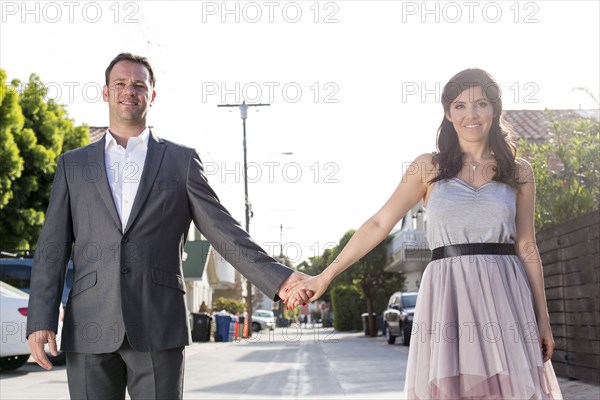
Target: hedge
x,y
347,308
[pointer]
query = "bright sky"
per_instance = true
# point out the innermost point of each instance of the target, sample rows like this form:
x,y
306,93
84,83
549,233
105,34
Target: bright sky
x,y
354,86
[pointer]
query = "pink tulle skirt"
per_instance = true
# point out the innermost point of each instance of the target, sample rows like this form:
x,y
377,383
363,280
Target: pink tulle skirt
x,y
475,335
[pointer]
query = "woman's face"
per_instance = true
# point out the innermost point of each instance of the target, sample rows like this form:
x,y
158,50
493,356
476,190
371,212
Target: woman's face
x,y
472,114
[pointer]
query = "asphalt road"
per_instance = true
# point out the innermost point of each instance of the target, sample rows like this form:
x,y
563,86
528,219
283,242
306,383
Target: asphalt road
x,y
285,364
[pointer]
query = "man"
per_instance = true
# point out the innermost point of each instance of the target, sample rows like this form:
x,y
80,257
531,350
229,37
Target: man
x,y
121,208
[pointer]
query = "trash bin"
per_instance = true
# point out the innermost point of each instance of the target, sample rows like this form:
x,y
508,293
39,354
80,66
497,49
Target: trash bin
x,y
365,322
233,329
201,327
223,321
241,321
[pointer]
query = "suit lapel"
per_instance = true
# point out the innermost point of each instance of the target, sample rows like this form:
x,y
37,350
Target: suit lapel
x,y
97,164
154,156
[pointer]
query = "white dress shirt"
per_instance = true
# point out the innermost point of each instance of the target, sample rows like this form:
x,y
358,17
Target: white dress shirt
x,y
124,169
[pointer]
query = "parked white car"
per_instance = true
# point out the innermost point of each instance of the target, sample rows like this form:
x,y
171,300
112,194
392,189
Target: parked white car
x,y
14,351
263,319
16,271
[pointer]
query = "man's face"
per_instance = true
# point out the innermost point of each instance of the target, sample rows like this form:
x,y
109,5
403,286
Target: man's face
x,y
129,93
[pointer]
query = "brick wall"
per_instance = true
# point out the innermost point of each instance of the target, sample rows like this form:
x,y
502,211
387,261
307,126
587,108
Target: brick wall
x,y
571,258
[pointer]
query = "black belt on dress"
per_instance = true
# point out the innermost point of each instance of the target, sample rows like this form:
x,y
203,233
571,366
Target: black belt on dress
x,y
467,249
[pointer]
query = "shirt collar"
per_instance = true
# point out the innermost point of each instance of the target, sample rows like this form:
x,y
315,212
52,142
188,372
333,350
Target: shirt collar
x,y
110,139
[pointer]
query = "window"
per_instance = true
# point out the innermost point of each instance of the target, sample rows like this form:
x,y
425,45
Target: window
x,y
17,275
409,301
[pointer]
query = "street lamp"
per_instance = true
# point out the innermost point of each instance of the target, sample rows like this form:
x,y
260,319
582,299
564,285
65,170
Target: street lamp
x,y
244,114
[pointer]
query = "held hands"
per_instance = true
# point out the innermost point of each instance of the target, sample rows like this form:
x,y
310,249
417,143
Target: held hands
x,y
36,343
294,279
305,291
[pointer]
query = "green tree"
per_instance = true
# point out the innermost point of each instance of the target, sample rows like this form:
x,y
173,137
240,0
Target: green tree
x,y
46,132
367,275
567,171
232,306
11,122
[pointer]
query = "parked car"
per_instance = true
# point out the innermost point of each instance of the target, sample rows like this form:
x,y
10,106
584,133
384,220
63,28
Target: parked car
x,y
15,270
398,317
263,319
14,351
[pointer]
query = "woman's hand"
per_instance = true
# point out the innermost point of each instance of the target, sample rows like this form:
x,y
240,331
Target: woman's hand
x,y
300,293
546,340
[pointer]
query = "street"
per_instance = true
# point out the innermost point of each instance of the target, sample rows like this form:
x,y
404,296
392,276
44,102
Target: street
x,y
285,364
293,363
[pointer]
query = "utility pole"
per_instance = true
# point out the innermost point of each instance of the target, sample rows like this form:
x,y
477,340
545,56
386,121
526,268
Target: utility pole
x,y
244,114
281,228
281,240
282,259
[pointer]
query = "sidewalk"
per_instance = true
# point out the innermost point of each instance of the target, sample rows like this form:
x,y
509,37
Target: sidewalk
x,y
577,390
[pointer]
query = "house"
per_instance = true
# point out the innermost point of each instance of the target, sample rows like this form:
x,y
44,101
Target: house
x,y
199,273
96,133
534,125
409,250
206,274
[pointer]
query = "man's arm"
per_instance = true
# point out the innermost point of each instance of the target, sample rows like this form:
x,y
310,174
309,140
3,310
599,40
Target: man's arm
x,y
229,239
52,254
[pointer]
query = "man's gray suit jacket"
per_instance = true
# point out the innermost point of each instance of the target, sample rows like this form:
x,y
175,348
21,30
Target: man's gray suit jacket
x,y
129,280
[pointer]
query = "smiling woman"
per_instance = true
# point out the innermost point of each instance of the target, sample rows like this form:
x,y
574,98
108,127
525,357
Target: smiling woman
x,y
480,326
472,119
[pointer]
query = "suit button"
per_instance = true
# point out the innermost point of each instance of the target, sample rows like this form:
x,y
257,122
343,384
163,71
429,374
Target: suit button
x,y
124,271
125,239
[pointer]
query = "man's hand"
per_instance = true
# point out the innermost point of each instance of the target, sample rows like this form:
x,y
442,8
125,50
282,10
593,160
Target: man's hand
x,y
293,280
36,342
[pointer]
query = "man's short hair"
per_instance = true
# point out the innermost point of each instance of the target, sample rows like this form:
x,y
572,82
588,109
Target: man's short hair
x,y
133,58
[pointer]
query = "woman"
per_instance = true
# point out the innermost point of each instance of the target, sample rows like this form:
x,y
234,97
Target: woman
x,y
481,327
